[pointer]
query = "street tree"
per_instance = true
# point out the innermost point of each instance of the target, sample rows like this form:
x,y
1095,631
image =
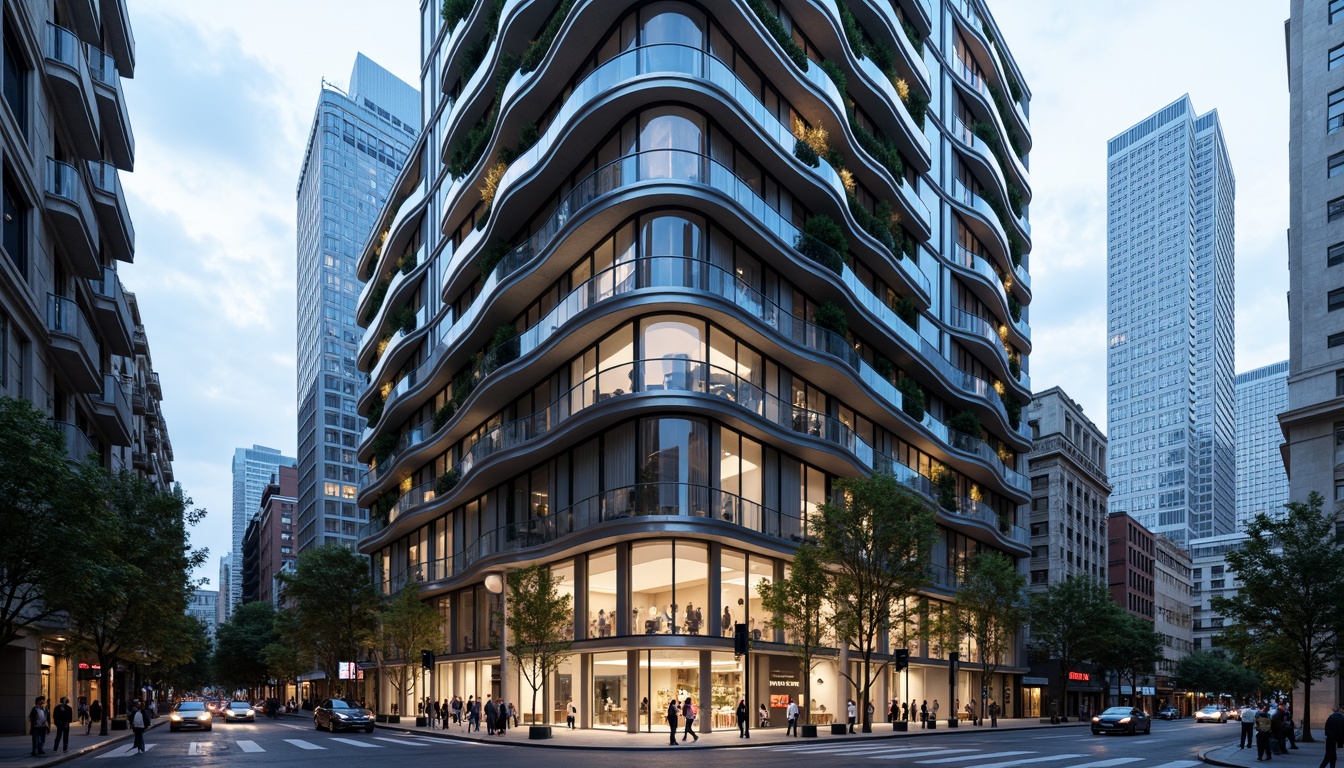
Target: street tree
x,y
991,608
1069,621
876,542
794,605
540,625
1209,673
39,515
241,642
189,665
1291,601
406,626
284,660
1139,647
335,608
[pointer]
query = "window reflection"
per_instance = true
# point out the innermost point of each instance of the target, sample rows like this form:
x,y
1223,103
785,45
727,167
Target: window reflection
x,y
602,594
670,146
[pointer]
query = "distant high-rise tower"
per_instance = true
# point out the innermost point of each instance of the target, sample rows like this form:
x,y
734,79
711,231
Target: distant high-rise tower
x,y
1170,197
252,471
356,148
1262,483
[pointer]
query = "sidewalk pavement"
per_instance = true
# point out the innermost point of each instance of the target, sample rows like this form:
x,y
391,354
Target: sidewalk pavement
x,y
17,750
599,738
1307,755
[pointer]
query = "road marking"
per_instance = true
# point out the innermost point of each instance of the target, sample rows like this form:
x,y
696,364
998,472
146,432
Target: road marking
x,y
401,742
1025,761
442,742
249,746
904,755
123,752
812,749
1178,764
963,757
354,743
301,744
194,748
1107,763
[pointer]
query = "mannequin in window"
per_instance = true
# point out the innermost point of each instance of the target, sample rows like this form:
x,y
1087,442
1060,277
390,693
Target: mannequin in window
x,y
692,620
727,628
603,628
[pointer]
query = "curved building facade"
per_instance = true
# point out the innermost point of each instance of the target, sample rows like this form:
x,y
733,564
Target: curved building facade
x,y
655,276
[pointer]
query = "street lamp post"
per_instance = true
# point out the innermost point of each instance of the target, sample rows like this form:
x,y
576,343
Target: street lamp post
x,y
494,583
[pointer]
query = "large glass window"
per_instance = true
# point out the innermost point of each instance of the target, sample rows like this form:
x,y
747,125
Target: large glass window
x,y
672,351
670,145
602,594
14,228
652,599
672,40
1334,118
563,575
674,467
609,690
760,570
732,590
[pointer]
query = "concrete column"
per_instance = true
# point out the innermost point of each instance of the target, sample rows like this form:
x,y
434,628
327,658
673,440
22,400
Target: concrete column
x,y
706,702
585,688
632,687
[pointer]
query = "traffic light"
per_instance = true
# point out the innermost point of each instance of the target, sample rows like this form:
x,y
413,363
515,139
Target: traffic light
x,y
902,658
740,638
427,659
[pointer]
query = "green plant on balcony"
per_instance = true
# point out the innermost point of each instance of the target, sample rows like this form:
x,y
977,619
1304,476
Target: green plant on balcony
x,y
853,32
1015,247
1014,308
381,510
447,481
1013,407
966,423
1015,365
908,245
465,381
1014,140
878,224
831,317
836,74
917,105
537,51
491,258
804,152
913,36
882,150
912,397
945,486
455,10
907,311
376,405
1015,199
375,301
884,57
443,414
823,241
403,319
503,345
776,29
884,367
383,445
408,261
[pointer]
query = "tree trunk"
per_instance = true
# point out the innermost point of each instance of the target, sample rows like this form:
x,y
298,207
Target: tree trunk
x,y
807,694
1306,712
867,694
105,690
534,705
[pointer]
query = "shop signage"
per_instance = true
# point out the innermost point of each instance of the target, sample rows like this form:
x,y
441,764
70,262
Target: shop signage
x,y
1080,676
1035,681
785,681
86,671
1148,690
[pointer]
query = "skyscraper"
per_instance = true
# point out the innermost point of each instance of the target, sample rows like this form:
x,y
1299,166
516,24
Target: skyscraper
x,y
252,471
1262,483
356,147
1314,422
1170,195
673,273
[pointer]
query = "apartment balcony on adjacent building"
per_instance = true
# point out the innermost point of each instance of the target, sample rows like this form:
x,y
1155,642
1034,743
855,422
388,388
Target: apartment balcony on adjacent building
x,y
67,71
74,350
137,399
112,313
138,339
112,410
154,388
78,446
118,35
140,460
112,109
110,202
70,213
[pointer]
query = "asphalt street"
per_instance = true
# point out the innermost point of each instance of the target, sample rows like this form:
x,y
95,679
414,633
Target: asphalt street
x,y
293,743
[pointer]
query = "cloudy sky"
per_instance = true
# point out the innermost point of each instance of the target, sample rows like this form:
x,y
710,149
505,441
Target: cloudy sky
x,y
225,92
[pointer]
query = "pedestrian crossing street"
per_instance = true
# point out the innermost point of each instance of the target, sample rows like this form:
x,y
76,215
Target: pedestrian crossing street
x,y
219,746
986,757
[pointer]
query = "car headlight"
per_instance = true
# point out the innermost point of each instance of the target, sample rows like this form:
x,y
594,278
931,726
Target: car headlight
x,y
1096,719
203,716
1124,720
340,715
176,718
251,713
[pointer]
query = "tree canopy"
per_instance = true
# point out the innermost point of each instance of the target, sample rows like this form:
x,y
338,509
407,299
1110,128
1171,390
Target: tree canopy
x,y
240,659
1069,623
991,608
335,608
540,625
794,604
406,626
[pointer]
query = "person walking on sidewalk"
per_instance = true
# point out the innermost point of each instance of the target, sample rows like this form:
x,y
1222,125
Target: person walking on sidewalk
x,y
1247,727
61,717
933,715
139,724
688,712
1263,728
1276,729
95,715
743,720
1334,735
570,712
1288,721
851,714
672,712
924,714
791,717
993,714
38,723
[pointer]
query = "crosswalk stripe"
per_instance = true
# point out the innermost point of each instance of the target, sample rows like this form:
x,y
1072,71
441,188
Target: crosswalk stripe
x,y
401,742
124,752
449,742
1027,760
301,744
905,755
1178,764
354,743
1107,763
249,746
812,749
194,748
963,757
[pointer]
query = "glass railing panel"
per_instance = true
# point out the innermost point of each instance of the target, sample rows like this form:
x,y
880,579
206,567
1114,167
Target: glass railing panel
x,y
66,318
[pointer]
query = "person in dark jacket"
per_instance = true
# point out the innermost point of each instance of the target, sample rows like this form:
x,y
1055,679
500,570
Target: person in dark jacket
x,y
743,720
672,711
95,716
1276,732
1264,729
491,717
61,717
139,724
38,724
1334,735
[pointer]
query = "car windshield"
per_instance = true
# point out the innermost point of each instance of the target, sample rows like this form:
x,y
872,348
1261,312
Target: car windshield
x,y
344,704
1211,708
188,706
1117,711
240,705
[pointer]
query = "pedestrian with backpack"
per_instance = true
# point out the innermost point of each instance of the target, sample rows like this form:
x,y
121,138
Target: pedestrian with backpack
x,y
688,711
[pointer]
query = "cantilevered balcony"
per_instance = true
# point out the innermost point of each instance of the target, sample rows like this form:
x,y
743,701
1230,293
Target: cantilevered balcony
x,y
78,446
116,122
154,388
112,411
110,203
137,399
74,350
111,312
70,214
72,89
120,40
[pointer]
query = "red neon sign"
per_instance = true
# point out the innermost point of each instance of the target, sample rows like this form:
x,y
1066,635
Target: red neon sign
x,y
1081,676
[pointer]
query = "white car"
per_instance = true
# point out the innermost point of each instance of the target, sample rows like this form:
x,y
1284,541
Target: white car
x,y
1211,714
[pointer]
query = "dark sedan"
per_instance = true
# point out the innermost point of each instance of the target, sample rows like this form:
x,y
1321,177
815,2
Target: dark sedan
x,y
342,715
1129,720
190,714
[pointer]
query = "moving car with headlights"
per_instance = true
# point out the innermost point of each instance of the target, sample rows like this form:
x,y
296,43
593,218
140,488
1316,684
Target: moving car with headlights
x,y
239,711
1129,720
1211,714
1169,713
342,714
190,714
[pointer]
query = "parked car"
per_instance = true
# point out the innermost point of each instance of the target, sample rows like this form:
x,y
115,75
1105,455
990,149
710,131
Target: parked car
x,y
239,711
1211,714
1129,720
190,714
1169,713
342,714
